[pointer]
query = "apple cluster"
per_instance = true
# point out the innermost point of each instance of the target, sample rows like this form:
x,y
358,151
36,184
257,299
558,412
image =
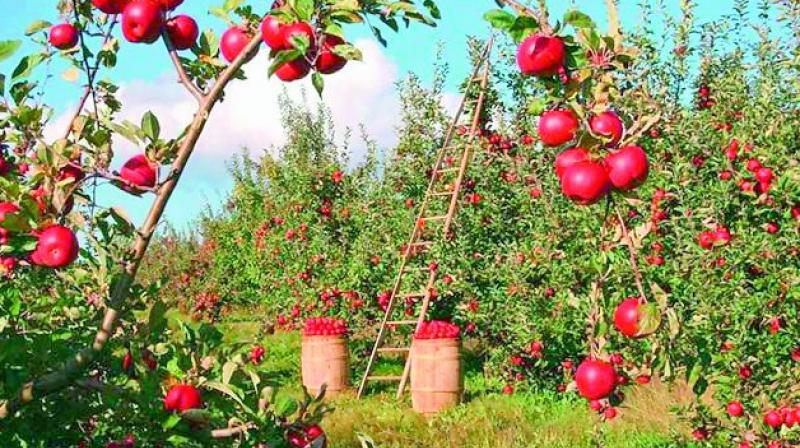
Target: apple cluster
x,y
437,329
304,437
584,178
721,236
324,326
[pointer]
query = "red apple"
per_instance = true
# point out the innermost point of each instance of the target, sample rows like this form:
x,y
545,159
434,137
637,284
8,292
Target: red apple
x,y
557,127
627,168
296,30
607,124
110,6
735,409
293,70
182,31
541,55
595,379
706,239
139,172
764,175
63,36
169,5
570,157
329,62
272,33
142,21
585,182
773,419
57,247
233,41
182,397
626,317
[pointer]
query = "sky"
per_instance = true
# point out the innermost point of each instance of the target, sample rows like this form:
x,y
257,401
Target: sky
x,y
362,93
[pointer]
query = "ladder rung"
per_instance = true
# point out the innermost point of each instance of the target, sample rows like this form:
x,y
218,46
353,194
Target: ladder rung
x,y
447,170
384,378
442,193
401,322
394,349
422,243
435,218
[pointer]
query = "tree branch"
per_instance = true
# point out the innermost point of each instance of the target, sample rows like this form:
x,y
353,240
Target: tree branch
x,y
613,24
66,375
231,432
182,76
637,274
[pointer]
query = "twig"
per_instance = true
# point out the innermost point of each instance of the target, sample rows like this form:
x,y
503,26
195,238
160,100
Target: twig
x,y
637,274
63,377
182,76
90,74
232,431
540,16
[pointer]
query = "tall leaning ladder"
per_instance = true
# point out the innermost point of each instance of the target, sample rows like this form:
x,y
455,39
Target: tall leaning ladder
x,y
440,175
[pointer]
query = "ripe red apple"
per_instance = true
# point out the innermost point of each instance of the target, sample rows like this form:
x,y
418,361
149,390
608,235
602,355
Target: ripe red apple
x,y
142,21
329,62
233,41
753,165
722,236
570,157
57,247
182,31
63,36
773,419
508,389
272,33
595,379
585,182
764,175
541,55
610,413
110,6
296,30
773,227
626,317
314,431
735,409
139,172
169,5
609,125
182,397
627,168
557,127
293,70
706,239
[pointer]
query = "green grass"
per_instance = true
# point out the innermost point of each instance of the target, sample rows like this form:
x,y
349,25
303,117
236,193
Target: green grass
x,y
486,420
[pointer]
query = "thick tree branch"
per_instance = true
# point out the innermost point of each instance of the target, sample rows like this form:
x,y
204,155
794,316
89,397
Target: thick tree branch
x,y
182,76
67,374
232,432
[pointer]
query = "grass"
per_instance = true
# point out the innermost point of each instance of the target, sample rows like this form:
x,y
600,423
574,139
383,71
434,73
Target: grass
x,y
486,420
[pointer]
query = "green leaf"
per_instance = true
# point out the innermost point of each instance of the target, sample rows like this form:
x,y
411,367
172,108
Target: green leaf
x,y
230,5
303,8
171,421
150,126
37,26
649,319
156,320
502,20
122,219
285,406
220,13
349,52
318,82
228,369
228,390
2,84
8,48
523,27
578,19
26,66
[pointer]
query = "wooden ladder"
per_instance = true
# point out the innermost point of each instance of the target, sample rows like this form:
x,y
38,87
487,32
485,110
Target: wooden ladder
x,y
435,192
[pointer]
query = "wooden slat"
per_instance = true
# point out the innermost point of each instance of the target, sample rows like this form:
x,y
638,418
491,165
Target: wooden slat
x,y
385,378
394,349
401,322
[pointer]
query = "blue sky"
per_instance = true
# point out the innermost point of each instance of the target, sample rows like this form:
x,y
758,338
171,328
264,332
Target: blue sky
x,y
355,94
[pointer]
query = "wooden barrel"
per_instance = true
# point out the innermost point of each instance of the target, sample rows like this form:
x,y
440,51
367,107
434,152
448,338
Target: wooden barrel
x,y
325,360
436,381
